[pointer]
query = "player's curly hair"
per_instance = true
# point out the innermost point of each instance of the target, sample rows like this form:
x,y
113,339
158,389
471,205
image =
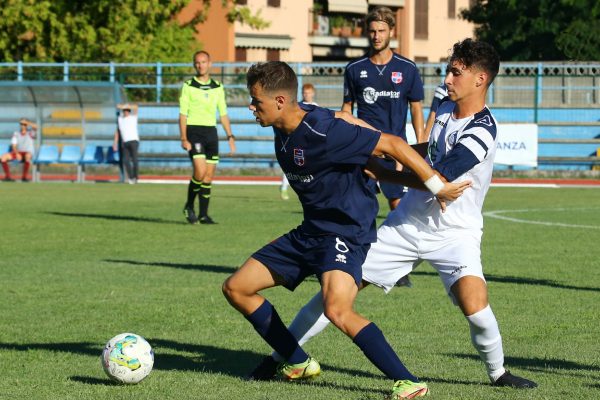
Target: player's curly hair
x,y
381,14
273,76
476,54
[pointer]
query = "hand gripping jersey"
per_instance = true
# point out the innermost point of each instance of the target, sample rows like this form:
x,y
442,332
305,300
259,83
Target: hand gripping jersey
x,y
199,101
323,160
460,149
382,92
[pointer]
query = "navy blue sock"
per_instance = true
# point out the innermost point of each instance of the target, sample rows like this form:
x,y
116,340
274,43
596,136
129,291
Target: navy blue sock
x,y
269,326
372,342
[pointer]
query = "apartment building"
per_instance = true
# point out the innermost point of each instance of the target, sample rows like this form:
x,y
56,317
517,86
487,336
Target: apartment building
x,y
329,30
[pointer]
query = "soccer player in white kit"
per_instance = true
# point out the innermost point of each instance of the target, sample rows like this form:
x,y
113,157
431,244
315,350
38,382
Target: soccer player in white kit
x,y
462,146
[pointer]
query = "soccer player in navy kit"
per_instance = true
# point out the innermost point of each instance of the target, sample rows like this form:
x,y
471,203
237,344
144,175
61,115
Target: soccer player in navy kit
x,y
383,85
462,147
323,158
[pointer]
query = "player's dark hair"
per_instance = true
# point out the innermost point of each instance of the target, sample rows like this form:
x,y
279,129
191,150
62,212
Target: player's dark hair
x,y
273,76
476,54
200,52
381,14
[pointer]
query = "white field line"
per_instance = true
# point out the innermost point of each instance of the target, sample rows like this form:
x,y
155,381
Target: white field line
x,y
497,214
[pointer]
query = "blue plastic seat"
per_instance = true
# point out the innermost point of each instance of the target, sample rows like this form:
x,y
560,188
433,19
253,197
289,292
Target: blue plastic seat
x,y
70,155
93,155
48,154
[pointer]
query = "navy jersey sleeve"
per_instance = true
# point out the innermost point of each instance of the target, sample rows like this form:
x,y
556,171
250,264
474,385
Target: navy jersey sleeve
x,y
348,87
471,149
350,144
440,95
416,92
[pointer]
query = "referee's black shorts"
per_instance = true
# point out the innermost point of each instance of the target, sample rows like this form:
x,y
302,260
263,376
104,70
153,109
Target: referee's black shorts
x,y
205,142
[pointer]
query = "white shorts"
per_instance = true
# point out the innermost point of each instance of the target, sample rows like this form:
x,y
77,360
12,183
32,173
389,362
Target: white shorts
x,y
401,248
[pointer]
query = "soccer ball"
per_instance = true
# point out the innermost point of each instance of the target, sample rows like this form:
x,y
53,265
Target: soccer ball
x,y
127,358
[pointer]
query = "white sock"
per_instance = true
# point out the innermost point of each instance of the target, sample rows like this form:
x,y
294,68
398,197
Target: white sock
x,y
485,336
284,182
309,322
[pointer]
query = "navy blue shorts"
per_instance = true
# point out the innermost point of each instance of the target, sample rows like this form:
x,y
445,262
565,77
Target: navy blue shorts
x,y
391,190
296,255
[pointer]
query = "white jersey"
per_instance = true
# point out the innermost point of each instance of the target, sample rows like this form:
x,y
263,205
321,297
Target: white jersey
x,y
460,149
128,127
24,142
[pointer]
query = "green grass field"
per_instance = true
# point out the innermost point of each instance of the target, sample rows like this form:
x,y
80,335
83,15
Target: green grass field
x,y
80,263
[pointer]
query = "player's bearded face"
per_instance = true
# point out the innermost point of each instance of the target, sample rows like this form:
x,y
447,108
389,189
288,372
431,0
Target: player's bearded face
x,y
379,35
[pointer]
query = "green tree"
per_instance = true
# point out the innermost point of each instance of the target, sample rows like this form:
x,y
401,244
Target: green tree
x,y
103,30
539,30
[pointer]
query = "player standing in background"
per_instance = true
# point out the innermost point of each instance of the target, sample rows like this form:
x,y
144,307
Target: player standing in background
x,y
440,94
308,97
127,132
22,147
462,146
200,99
383,85
323,157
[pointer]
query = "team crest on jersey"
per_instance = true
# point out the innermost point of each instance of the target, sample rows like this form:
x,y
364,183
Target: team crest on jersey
x,y
397,77
452,138
363,73
486,120
299,157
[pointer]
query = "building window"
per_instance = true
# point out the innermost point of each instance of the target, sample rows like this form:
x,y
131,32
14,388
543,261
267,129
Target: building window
x,y
241,54
421,19
419,59
451,9
241,2
273,55
273,3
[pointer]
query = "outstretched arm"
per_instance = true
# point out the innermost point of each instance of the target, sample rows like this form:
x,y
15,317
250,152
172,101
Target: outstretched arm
x,y
407,156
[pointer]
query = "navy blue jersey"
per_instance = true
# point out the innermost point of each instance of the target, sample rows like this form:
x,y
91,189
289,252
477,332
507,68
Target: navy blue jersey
x,y
323,159
382,92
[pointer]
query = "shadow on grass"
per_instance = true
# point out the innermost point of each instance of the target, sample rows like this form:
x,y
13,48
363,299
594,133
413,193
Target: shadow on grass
x,y
201,358
191,267
523,281
88,380
537,364
112,217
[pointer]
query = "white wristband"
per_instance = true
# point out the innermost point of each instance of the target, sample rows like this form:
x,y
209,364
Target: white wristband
x,y
434,184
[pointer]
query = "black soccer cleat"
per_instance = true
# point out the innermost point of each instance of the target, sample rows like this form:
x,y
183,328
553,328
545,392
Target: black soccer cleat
x,y
510,380
190,215
404,282
265,371
206,220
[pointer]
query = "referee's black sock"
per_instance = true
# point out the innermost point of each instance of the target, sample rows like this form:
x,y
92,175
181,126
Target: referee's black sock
x,y
204,198
193,189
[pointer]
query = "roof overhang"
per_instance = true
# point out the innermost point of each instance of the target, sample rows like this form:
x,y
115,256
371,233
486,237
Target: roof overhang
x,y
258,41
387,3
348,6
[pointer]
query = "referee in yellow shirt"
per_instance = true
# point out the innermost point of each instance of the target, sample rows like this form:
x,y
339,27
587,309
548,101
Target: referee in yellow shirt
x,y
200,99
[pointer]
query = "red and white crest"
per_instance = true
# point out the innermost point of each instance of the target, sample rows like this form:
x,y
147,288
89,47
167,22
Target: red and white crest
x,y
299,157
397,77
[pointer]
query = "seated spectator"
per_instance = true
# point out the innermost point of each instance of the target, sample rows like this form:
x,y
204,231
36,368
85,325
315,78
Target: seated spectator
x,y
22,148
